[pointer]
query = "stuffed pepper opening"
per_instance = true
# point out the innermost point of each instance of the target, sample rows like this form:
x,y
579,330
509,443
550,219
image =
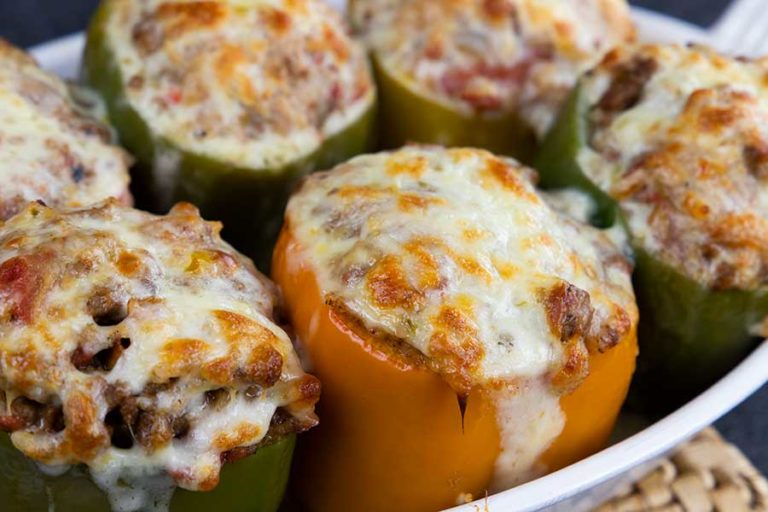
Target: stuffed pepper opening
x,y
673,140
53,149
490,74
144,350
226,103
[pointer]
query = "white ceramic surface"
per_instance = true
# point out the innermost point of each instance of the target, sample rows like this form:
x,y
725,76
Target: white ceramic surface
x,y
584,484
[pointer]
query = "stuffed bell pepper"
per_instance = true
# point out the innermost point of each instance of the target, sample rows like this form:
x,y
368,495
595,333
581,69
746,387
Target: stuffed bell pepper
x,y
483,73
468,336
140,354
226,103
672,142
51,148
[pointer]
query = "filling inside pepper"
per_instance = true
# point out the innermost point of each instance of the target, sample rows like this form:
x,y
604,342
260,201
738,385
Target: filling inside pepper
x,y
254,84
142,347
492,56
679,137
51,149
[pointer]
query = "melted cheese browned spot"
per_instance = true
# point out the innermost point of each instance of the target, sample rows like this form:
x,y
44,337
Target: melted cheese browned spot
x,y
680,137
50,148
141,346
487,284
492,55
255,84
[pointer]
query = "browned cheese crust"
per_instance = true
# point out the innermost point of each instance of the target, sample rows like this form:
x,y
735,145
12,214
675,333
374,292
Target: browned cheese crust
x,y
51,149
679,136
146,341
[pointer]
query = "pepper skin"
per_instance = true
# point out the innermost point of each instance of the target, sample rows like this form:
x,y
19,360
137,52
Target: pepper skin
x,y
689,335
249,201
253,484
407,116
557,163
392,436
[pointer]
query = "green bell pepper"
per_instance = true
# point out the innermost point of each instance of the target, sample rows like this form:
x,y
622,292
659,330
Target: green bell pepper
x,y
407,116
557,161
252,484
689,334
250,202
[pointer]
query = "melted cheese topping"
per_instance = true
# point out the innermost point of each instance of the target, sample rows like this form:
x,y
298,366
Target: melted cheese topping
x,y
680,138
257,84
142,346
50,149
493,55
572,202
453,253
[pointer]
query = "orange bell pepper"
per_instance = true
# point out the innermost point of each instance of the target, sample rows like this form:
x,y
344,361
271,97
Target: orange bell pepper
x,y
392,436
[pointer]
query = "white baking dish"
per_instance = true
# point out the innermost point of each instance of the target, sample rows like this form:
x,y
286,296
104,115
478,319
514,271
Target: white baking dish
x,y
582,485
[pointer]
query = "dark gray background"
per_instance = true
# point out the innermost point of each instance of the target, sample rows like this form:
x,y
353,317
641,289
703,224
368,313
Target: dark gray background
x,y
27,22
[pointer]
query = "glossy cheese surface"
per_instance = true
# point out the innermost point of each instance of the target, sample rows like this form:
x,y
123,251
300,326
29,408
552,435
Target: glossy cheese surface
x,y
492,56
141,346
256,84
679,136
51,149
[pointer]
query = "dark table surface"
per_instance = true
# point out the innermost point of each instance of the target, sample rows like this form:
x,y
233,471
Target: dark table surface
x,y
27,22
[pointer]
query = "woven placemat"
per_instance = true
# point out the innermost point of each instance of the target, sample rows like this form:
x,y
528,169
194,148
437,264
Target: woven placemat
x,y
705,474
